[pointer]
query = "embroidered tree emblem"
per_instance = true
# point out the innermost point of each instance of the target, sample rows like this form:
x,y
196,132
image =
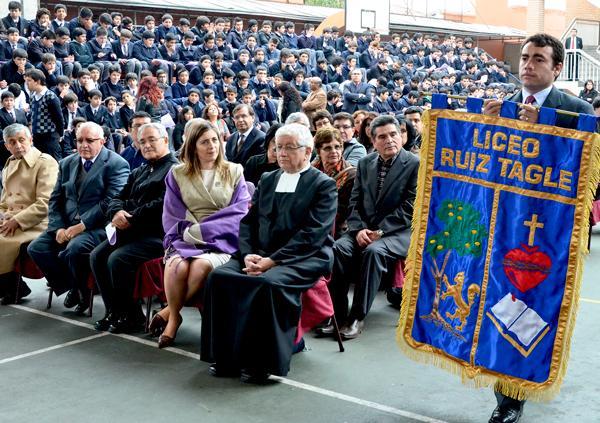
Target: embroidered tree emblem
x,y
462,233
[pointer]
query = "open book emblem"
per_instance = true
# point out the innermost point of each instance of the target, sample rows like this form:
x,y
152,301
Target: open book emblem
x,y
520,325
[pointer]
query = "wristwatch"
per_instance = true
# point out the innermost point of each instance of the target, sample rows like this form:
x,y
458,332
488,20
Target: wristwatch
x,y
379,233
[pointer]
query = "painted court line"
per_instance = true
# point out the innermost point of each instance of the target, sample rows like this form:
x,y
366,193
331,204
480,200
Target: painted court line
x,y
286,381
52,348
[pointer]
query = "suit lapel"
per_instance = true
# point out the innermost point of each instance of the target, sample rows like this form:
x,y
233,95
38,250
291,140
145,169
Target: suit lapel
x,y
392,174
371,178
247,143
553,100
95,169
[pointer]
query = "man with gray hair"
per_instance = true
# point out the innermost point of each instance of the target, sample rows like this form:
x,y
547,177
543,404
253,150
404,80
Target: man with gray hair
x,y
252,303
379,225
316,99
27,181
136,216
87,181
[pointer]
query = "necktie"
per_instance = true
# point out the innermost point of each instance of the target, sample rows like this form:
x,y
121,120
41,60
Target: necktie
x,y
240,143
530,100
124,49
572,43
87,165
12,116
71,121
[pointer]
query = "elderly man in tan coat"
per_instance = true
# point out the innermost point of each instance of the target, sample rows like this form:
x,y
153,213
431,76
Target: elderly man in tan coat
x,y
316,100
28,178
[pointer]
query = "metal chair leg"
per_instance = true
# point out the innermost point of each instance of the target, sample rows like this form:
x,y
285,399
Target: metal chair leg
x,y
148,312
91,305
18,282
50,292
336,333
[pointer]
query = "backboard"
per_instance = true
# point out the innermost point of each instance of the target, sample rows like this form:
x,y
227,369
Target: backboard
x,y
362,15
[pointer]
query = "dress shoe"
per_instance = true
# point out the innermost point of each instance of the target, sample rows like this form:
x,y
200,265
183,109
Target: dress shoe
x,y
326,330
165,341
394,297
504,414
127,323
219,371
104,323
72,299
254,376
10,297
157,325
352,330
81,309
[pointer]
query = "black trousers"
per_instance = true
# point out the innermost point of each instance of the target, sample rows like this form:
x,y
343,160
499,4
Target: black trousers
x,y
115,266
504,401
66,266
365,267
49,143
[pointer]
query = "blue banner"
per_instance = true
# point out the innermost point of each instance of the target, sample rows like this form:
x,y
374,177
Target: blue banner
x,y
494,265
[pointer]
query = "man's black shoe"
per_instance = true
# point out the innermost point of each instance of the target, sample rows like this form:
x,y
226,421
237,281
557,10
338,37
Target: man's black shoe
x,y
394,296
504,414
104,323
126,324
218,371
10,297
72,299
81,309
257,377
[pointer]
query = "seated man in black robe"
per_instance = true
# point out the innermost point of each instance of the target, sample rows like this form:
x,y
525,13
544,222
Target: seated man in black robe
x,y
252,304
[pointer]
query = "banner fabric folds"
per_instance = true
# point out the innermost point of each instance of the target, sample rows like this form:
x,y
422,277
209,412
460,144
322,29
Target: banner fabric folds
x,y
500,230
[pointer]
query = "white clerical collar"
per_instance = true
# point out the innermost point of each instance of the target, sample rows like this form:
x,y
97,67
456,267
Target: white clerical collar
x,y
540,96
289,181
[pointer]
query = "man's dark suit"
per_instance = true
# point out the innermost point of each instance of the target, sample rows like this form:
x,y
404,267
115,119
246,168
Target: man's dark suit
x,y
253,145
6,119
391,211
561,101
352,99
77,197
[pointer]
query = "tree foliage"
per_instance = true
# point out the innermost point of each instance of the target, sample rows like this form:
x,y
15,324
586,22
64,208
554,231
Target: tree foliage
x,y
462,231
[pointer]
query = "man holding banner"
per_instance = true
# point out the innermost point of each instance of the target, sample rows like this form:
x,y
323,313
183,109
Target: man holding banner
x,y
541,62
500,229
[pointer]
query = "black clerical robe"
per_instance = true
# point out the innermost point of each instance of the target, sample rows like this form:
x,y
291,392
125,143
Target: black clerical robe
x,y
249,322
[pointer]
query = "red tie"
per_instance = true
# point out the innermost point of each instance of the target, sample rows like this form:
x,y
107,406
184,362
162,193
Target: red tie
x,y
530,100
572,43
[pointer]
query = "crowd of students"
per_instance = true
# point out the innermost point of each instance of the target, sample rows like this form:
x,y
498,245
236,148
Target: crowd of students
x,y
95,67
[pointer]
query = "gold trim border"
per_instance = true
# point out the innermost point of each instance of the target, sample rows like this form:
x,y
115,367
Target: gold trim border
x,y
589,177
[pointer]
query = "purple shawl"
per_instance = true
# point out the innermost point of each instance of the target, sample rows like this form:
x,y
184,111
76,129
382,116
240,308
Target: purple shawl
x,y
220,231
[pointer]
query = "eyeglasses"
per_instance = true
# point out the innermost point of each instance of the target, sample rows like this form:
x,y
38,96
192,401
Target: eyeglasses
x,y
345,127
331,148
287,148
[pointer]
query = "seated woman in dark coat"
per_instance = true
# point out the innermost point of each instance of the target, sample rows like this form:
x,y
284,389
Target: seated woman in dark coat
x,y
252,303
329,146
262,163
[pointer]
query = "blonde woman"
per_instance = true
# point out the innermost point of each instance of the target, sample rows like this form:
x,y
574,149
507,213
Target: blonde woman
x,y
205,200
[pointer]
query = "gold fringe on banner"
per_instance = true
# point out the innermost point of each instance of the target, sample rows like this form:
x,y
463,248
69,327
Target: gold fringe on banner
x,y
477,376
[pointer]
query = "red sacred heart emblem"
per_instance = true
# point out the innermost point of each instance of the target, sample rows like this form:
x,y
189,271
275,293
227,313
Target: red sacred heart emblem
x,y
526,267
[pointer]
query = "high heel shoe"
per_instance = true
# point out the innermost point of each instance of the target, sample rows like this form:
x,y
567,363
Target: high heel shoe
x,y
165,341
157,325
